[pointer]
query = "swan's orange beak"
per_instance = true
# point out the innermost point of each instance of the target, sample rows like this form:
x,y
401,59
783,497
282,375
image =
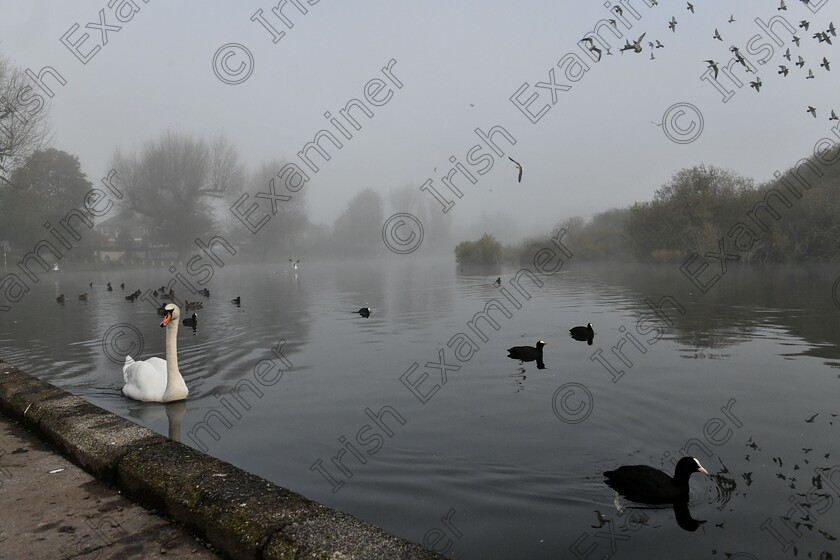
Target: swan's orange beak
x,y
166,319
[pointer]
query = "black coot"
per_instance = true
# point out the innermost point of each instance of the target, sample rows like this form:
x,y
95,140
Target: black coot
x,y
191,321
648,485
582,333
527,353
236,301
364,312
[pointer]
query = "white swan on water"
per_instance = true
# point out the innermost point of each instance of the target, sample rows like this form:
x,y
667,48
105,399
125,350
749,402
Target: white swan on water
x,y
157,380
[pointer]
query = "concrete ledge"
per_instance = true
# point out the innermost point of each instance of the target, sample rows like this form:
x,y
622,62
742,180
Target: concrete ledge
x,y
243,515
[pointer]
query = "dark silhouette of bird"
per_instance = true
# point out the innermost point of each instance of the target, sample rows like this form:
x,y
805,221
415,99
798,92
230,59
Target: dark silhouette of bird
x,y
91,284
717,35
795,40
831,29
787,54
518,166
714,66
83,297
364,312
527,353
591,46
618,10
191,321
782,6
690,7
783,70
60,299
825,64
731,18
498,282
236,301
110,289
810,75
804,24
800,62
122,285
647,485
833,116
635,46
811,110
756,84
672,25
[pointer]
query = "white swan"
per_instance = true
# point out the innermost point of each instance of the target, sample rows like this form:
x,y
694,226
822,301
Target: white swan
x,y
156,380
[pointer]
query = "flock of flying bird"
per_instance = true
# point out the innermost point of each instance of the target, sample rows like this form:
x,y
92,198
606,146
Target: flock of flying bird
x,y
820,36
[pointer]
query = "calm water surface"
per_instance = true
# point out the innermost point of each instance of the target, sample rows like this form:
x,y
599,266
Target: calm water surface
x,y
516,452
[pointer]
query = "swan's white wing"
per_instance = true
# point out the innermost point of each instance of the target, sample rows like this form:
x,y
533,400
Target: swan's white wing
x,y
144,380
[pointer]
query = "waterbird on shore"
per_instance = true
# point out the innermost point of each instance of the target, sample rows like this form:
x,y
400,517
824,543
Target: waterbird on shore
x,y
191,321
155,379
647,485
364,312
518,166
236,301
810,75
60,299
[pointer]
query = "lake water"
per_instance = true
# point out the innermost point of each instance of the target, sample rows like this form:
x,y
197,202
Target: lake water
x,y
512,454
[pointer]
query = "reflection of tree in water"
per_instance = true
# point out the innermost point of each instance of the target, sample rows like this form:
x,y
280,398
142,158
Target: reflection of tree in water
x,y
791,300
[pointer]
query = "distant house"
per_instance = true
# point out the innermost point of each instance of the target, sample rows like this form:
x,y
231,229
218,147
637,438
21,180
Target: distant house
x,y
127,237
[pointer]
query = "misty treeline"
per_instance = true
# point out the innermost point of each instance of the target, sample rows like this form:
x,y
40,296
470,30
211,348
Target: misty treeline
x,y
176,188
795,217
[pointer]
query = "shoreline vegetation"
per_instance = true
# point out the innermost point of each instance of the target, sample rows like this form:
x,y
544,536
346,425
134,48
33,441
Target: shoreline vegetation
x,y
700,211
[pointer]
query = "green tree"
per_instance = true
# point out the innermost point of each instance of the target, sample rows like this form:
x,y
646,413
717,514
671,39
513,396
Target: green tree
x,y
485,251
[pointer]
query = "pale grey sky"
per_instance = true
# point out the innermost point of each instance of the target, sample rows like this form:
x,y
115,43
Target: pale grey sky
x,y
459,63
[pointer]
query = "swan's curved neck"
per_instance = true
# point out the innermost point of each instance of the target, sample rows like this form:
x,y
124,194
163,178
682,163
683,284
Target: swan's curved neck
x,y
174,381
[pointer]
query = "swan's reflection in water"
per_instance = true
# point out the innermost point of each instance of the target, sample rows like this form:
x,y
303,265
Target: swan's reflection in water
x,y
151,414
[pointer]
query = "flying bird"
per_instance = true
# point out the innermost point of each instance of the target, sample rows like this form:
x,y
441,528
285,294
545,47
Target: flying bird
x,y
651,55
804,24
831,29
518,166
714,66
833,116
618,10
781,6
731,18
294,264
672,25
591,46
690,7
717,35
784,70
787,54
756,84
811,110
659,45
612,21
810,75
800,62
636,46
795,40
